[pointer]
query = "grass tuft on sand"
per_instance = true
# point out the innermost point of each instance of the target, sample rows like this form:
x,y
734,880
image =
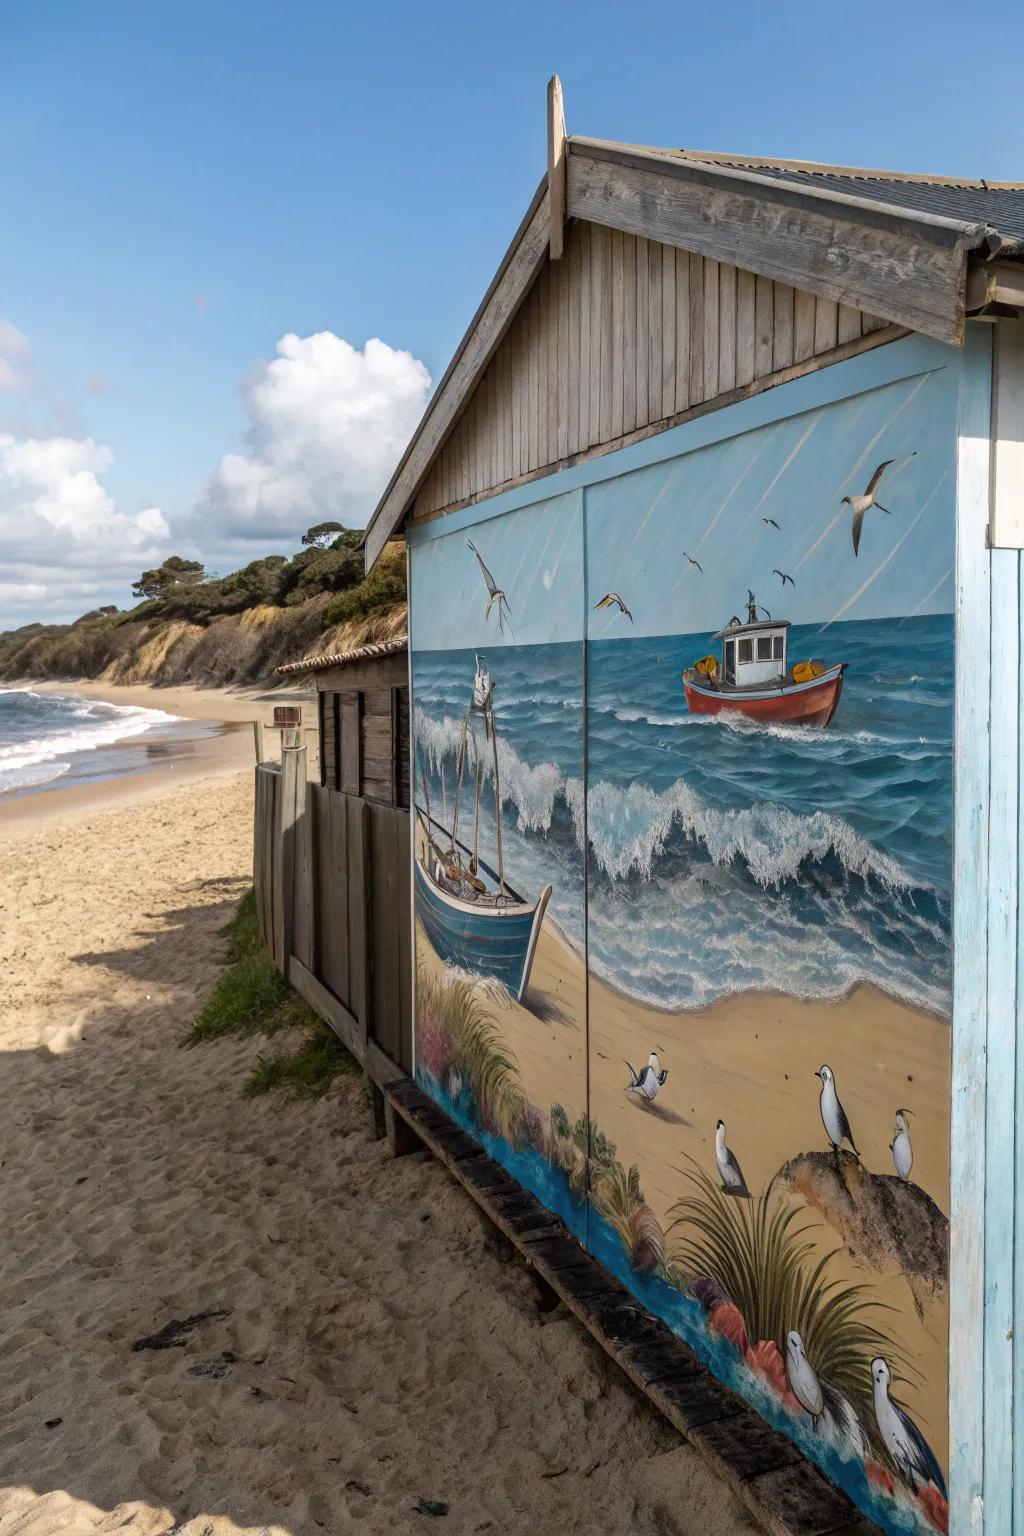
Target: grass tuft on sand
x,y
253,998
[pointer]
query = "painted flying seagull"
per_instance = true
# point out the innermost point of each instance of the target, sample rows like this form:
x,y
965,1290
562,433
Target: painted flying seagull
x,y
861,504
613,600
694,562
902,1151
772,521
833,1115
912,1456
649,1080
784,578
729,1169
495,593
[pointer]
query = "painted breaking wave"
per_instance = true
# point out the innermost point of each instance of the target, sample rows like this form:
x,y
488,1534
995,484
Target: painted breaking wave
x,y
842,911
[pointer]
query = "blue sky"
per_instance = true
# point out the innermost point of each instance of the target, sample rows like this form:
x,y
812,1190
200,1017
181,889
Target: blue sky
x,y
185,184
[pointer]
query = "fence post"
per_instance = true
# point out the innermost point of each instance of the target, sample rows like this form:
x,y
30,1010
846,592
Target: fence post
x,y
257,735
292,803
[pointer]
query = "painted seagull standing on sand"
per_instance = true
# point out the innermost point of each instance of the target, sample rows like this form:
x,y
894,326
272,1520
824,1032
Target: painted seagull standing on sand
x,y
648,1081
729,1169
833,1115
495,594
861,504
902,1151
913,1457
613,600
802,1378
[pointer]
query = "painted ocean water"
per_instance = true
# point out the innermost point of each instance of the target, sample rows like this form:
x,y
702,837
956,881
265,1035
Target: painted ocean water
x,y
810,860
41,734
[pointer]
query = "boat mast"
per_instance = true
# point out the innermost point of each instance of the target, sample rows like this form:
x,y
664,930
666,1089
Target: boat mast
x,y
497,796
476,816
460,763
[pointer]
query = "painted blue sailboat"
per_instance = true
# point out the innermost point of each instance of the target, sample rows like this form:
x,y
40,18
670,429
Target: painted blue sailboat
x,y
478,924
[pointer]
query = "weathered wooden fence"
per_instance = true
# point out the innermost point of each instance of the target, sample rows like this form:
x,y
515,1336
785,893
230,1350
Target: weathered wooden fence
x,y
331,874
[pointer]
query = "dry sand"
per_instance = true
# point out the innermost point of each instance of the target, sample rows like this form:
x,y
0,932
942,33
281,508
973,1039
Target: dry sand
x,y
382,1345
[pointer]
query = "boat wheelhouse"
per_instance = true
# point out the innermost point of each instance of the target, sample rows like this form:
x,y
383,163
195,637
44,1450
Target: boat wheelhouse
x,y
755,678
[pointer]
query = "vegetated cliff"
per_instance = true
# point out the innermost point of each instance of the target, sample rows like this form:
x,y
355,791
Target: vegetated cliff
x,y
233,630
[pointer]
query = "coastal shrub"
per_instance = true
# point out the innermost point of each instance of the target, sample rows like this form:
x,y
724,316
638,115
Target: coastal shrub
x,y
383,588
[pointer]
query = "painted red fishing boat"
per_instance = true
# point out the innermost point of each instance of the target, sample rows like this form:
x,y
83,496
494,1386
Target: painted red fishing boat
x,y
754,677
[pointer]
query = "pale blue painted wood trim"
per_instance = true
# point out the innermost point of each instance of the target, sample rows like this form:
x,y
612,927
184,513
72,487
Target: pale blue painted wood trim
x,y
970,942
871,370
1000,1091
1018,1130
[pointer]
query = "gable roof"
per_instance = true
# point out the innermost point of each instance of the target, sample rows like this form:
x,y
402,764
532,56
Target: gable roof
x,y
999,205
895,245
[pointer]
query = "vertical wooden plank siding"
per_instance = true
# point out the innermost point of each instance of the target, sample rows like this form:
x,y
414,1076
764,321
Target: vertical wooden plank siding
x,y
696,329
803,326
630,336
970,944
668,330
745,287
621,334
1000,1051
653,331
726,327
682,263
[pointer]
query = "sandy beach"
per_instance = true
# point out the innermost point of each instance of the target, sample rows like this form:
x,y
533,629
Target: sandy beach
x,y
374,1343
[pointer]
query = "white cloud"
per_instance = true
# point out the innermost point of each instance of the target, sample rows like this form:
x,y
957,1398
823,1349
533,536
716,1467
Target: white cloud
x,y
327,425
62,537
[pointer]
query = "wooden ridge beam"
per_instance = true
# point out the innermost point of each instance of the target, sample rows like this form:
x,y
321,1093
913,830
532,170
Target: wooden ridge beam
x,y
911,269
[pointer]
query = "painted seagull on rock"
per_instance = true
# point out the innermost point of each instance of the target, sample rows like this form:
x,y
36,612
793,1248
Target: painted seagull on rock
x,y
647,1082
729,1169
495,593
833,1115
902,1151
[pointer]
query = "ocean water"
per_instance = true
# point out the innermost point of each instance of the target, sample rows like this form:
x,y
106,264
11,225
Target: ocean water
x,y
723,856
41,734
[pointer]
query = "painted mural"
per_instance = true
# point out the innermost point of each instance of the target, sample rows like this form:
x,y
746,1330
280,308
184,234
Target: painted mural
x,y
736,802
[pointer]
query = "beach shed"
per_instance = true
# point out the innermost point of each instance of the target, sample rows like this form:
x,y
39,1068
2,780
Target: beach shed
x,y
714,527
331,858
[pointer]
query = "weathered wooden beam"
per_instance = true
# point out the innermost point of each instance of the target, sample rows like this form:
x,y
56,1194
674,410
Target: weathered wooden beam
x,y
995,282
257,736
556,167
291,806
330,1008
522,262
910,269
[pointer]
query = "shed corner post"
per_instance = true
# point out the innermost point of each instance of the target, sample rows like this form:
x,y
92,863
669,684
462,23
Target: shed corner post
x,y
970,1215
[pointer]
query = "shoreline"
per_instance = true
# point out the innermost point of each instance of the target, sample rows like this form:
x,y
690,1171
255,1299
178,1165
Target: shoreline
x,y
206,738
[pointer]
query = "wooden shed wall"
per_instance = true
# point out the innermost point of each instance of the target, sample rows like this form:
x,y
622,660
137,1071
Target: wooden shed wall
x,y
622,336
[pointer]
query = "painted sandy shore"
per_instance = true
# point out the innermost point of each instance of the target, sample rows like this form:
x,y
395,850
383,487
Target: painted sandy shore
x,y
762,1051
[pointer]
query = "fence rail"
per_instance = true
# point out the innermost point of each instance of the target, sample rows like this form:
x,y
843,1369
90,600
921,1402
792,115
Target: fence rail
x,y
331,875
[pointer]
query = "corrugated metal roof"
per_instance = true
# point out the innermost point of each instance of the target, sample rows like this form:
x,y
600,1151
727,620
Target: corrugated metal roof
x,y
392,647
999,204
